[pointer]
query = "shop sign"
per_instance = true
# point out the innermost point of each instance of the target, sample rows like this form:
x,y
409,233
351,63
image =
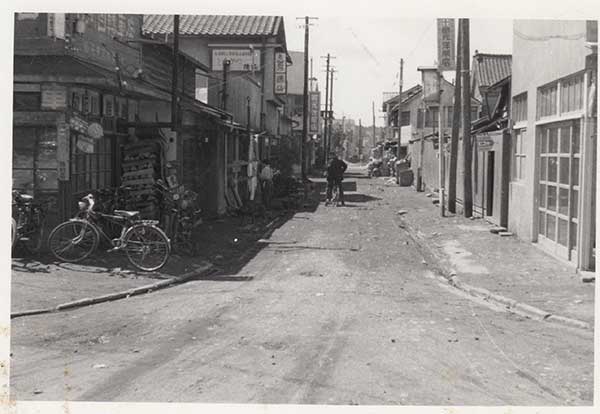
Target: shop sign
x,y
445,44
431,85
484,143
77,123
95,130
62,150
85,144
280,84
314,104
56,25
54,97
241,59
280,63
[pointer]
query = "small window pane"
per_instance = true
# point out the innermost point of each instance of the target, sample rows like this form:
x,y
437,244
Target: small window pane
x,y
542,197
564,170
563,201
551,228
576,138
542,223
551,198
544,149
552,167
575,171
543,168
565,135
575,203
553,141
562,232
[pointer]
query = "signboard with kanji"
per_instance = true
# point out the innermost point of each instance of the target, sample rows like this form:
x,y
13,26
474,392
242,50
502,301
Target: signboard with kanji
x,y
445,44
280,87
54,97
431,85
242,60
314,105
280,63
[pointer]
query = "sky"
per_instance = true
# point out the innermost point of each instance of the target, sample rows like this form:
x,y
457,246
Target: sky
x,y
368,52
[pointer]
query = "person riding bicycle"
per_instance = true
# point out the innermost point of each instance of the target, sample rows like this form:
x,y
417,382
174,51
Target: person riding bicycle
x,y
335,175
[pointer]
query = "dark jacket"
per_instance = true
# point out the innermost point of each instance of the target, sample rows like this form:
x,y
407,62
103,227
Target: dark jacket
x,y
335,170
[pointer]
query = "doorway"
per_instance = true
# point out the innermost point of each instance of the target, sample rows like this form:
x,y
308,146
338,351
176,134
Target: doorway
x,y
489,197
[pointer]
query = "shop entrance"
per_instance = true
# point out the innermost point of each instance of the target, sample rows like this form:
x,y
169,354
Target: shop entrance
x,y
558,186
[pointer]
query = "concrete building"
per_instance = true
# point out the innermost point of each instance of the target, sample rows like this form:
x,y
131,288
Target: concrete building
x,y
554,134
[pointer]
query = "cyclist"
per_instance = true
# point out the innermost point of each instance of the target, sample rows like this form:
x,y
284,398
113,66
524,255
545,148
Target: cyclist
x,y
335,175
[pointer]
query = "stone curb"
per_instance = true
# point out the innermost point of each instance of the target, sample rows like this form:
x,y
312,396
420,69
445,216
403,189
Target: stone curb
x,y
509,304
118,295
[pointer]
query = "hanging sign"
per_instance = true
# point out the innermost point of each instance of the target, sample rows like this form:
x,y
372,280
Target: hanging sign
x,y
280,87
431,85
77,123
95,130
280,63
314,105
484,143
85,144
445,44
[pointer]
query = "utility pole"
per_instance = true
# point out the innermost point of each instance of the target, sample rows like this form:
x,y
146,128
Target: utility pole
x,y
400,81
175,96
374,133
455,129
466,102
325,153
330,129
360,140
224,94
305,103
441,148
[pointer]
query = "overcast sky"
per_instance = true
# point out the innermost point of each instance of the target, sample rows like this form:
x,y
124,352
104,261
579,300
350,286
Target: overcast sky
x,y
368,52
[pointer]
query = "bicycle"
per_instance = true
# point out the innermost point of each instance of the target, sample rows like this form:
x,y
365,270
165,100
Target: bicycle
x,y
146,246
28,226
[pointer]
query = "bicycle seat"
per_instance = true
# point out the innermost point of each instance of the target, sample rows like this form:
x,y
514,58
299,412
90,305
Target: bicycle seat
x,y
125,213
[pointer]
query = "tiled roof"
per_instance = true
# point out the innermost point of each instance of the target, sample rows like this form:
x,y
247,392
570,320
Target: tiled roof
x,y
490,69
407,94
212,25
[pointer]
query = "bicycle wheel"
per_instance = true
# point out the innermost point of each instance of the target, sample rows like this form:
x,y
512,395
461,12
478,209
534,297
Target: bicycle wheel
x,y
35,238
147,247
74,240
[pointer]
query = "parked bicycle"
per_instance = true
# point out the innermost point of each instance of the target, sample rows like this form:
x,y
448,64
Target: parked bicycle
x,y
27,222
180,216
146,246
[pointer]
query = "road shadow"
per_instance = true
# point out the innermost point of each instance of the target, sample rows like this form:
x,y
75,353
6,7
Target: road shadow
x,y
354,198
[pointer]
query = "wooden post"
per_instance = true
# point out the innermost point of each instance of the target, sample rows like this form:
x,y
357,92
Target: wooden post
x,y
442,150
455,131
305,103
374,133
330,128
325,125
400,81
467,143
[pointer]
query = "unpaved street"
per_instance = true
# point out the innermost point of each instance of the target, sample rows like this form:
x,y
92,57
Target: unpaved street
x,y
338,307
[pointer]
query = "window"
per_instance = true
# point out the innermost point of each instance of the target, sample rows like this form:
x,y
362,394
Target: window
x,y
449,116
405,118
547,99
108,109
431,117
518,164
571,94
519,109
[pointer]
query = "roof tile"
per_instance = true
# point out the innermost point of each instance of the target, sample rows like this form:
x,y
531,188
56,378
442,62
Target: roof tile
x,y
213,25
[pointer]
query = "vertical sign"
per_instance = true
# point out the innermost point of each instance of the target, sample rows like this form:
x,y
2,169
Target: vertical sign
x,y
62,150
54,97
280,77
314,114
445,44
56,25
